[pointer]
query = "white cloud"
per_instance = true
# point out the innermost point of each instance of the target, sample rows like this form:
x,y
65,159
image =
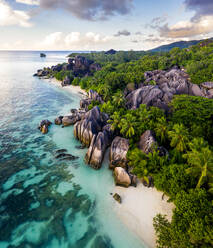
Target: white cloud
x,y
74,41
28,2
9,17
201,26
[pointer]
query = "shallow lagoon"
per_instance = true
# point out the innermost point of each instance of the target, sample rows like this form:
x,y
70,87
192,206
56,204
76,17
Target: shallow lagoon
x,y
45,202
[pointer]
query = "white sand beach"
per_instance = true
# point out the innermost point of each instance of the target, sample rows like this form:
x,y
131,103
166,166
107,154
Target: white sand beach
x,y
70,88
138,208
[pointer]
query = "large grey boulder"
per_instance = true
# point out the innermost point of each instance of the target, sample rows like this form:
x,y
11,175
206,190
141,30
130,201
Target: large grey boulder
x,y
166,84
70,120
147,142
90,125
118,152
195,90
121,177
98,146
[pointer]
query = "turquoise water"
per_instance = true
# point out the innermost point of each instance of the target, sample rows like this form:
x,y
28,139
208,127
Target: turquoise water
x,y
44,202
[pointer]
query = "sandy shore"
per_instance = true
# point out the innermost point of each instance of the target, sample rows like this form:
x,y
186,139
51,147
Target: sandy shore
x,y
139,206
70,88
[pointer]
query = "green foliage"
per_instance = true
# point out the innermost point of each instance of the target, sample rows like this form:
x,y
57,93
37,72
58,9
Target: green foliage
x,y
179,137
196,113
173,178
145,164
62,74
93,104
191,224
200,158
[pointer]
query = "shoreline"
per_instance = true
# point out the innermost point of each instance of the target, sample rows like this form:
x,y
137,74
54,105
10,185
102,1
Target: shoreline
x,y
138,208
139,204
70,88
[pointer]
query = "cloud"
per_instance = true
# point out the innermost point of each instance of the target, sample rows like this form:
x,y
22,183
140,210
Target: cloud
x,y
201,7
203,25
90,9
157,21
9,17
74,41
200,24
122,33
138,33
28,2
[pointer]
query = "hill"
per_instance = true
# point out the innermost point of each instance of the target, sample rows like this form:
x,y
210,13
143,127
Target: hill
x,y
179,44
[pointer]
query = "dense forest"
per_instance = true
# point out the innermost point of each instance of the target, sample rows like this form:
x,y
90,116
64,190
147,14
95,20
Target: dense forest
x,y
185,174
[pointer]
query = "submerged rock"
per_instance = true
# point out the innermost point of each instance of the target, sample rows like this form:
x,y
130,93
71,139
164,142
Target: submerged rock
x,y
118,152
61,151
121,177
117,197
43,126
66,155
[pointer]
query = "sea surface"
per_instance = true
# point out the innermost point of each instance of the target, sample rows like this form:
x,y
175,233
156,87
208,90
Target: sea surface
x,y
45,202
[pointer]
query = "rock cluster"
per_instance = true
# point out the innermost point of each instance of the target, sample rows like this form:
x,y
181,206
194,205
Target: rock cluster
x,y
43,126
94,132
80,66
71,119
92,96
98,146
160,86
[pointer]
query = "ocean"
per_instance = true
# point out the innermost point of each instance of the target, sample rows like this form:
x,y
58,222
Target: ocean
x,y
45,202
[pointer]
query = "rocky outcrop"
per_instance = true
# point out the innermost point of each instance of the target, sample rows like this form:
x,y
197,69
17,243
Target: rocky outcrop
x,y
160,87
98,146
80,66
121,177
118,152
71,119
147,142
90,125
92,96
43,126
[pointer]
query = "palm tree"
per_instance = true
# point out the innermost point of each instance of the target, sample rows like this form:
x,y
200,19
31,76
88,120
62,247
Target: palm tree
x,y
179,137
115,120
201,165
127,125
161,129
118,99
138,160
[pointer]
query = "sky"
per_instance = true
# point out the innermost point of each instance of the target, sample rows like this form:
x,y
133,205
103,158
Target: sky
x,y
102,24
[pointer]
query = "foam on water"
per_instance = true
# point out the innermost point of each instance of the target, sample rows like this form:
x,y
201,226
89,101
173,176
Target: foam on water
x,y
45,202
